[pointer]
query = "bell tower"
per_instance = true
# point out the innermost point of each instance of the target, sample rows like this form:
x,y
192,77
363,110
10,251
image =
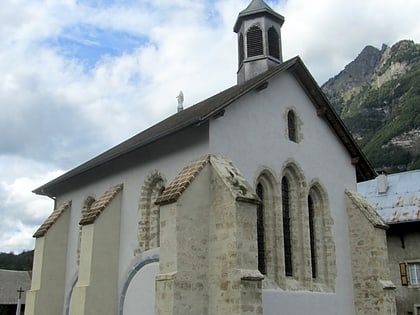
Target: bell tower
x,y
259,40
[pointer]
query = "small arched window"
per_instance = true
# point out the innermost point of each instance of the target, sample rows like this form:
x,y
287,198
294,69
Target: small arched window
x,y
241,48
312,239
260,231
291,126
254,41
273,43
286,227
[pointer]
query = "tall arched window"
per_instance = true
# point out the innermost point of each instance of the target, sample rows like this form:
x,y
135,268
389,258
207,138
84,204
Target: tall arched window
x,y
260,231
149,213
254,41
291,126
287,240
312,238
273,43
322,246
241,48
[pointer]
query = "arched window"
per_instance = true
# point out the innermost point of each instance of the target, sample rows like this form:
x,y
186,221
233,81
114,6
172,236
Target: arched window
x,y
322,246
291,126
312,238
149,213
254,41
273,43
260,231
241,48
267,188
287,240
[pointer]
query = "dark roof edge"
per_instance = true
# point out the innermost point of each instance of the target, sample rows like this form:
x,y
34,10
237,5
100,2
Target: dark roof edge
x,y
110,155
296,65
103,158
364,169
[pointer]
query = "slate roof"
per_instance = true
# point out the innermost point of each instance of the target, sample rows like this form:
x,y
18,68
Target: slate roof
x,y
53,217
10,282
257,7
213,106
401,201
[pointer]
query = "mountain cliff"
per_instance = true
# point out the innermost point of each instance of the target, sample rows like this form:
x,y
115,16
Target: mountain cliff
x,y
378,97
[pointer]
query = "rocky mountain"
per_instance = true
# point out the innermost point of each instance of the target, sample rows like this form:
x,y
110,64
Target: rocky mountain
x,y
378,97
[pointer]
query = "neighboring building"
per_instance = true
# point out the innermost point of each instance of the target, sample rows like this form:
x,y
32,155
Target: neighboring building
x,y
396,198
11,282
244,203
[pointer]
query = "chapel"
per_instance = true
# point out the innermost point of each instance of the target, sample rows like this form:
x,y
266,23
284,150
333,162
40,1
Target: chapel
x,y
244,203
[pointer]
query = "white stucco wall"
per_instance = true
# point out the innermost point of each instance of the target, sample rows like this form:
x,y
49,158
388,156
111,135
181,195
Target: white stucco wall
x,y
140,296
253,134
182,147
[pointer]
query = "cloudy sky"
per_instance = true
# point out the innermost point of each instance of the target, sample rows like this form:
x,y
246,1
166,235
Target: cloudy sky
x,y
79,76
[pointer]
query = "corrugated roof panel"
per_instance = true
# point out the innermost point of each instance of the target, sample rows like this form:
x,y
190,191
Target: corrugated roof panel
x,y
401,201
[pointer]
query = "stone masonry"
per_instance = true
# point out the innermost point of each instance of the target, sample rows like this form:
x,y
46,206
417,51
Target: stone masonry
x,y
208,254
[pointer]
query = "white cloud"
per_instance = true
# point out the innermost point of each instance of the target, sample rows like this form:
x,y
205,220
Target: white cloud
x,y
58,109
21,212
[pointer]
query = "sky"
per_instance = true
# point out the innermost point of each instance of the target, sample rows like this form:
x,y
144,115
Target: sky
x,y
79,76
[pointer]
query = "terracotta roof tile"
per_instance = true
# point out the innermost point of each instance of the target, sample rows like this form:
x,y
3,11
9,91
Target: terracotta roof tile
x,y
182,181
99,205
42,230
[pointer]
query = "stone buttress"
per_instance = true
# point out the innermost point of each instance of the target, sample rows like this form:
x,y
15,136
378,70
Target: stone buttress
x,y
373,291
46,295
208,253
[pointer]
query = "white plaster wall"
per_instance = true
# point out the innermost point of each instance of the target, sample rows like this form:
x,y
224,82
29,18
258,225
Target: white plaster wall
x,y
140,296
183,148
252,133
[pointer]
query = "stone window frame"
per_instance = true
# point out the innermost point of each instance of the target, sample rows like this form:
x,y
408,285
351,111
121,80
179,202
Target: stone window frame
x,y
302,278
324,241
148,231
297,187
270,184
293,129
287,226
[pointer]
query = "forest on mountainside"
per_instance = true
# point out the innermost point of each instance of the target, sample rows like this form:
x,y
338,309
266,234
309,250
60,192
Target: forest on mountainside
x,y
378,97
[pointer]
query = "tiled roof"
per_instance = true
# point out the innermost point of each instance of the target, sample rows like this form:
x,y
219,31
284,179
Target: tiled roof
x,y
42,230
99,205
213,106
182,181
10,282
227,172
400,202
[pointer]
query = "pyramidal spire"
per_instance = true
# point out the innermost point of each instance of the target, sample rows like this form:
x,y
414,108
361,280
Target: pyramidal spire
x,y
259,39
